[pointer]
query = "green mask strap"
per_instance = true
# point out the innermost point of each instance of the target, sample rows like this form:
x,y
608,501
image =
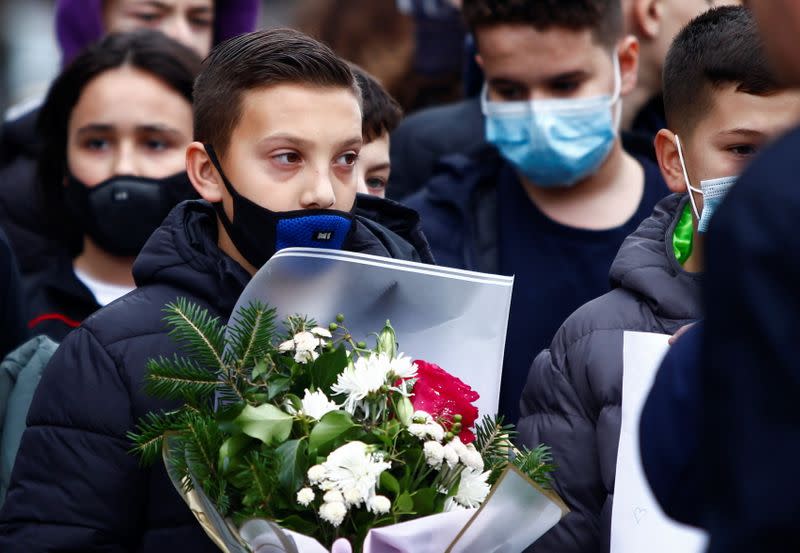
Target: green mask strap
x,y
683,236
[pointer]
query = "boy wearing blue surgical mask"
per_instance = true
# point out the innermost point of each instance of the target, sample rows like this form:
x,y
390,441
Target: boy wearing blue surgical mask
x,y
722,106
553,199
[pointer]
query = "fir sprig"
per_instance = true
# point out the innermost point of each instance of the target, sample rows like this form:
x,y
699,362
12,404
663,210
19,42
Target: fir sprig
x,y
250,335
179,378
194,328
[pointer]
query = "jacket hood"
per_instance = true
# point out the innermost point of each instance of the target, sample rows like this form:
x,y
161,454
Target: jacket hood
x,y
646,264
396,227
79,23
183,253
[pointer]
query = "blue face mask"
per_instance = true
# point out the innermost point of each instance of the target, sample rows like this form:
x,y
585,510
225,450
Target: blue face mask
x,y
712,190
555,143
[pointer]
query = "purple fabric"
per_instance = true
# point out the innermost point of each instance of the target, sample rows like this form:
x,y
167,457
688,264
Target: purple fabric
x,y
80,22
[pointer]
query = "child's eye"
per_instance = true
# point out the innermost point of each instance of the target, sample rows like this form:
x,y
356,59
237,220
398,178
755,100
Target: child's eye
x,y
511,93
96,144
565,86
148,18
375,183
744,150
157,145
349,159
201,22
288,158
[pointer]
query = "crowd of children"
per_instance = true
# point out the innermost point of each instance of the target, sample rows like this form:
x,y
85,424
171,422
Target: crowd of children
x,y
594,165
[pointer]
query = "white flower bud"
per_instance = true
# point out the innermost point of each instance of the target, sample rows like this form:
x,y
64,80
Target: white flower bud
x,y
333,513
379,505
435,431
288,345
305,496
333,496
353,497
450,455
472,458
321,332
459,446
316,474
434,454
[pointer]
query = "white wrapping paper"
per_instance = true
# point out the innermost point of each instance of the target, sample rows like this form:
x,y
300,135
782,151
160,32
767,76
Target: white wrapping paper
x,y
456,319
637,522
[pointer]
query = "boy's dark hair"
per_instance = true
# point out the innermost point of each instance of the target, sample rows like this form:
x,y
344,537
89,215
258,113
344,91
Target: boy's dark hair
x,y
382,113
258,60
720,47
602,17
149,51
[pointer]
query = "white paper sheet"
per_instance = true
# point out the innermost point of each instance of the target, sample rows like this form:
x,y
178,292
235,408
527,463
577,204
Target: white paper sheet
x,y
456,319
638,524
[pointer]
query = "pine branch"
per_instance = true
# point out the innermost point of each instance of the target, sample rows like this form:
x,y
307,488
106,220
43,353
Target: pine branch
x,y
251,334
148,440
195,328
537,463
492,437
180,379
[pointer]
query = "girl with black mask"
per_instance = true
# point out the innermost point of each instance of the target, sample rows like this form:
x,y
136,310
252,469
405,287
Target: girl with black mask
x,y
115,124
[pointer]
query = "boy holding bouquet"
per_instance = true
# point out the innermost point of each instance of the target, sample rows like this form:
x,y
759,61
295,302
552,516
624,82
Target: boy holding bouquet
x,y
278,133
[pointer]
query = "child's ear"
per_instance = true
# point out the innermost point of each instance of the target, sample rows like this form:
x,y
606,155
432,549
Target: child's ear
x,y
669,161
628,55
646,18
204,176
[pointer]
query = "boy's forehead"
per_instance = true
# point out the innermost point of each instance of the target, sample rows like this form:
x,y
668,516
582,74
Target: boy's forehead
x,y
736,112
524,51
288,107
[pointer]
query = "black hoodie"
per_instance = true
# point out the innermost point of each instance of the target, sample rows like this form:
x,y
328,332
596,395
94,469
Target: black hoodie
x,y
75,486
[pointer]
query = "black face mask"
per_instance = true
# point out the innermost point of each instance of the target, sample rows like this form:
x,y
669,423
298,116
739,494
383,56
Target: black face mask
x,y
258,232
121,213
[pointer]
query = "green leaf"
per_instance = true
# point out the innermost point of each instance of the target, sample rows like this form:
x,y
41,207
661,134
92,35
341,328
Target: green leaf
x,y
230,449
332,426
326,369
292,459
278,385
425,501
266,423
390,483
404,503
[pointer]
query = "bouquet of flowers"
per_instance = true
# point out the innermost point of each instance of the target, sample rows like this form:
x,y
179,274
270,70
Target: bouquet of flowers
x,y
316,432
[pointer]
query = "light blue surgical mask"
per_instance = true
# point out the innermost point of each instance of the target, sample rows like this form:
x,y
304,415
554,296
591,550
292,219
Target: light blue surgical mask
x,y
555,143
712,190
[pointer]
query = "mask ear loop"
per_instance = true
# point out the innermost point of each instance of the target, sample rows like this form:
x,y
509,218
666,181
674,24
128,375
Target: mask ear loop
x,y
686,178
616,105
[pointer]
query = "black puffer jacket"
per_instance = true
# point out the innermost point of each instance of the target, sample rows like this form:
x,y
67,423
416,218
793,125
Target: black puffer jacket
x,y
75,486
573,395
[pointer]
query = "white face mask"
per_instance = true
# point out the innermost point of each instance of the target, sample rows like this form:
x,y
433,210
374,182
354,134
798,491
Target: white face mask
x,y
712,190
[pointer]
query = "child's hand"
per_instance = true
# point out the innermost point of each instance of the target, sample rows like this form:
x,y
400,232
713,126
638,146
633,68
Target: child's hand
x,y
681,331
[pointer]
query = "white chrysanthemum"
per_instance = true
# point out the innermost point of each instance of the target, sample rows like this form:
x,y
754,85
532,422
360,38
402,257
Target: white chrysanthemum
x,y
333,496
360,379
450,455
434,454
379,505
288,345
473,488
305,496
421,417
352,466
472,458
316,474
333,513
403,367
451,504
321,332
316,404
353,497
458,446
305,341
432,430
303,357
